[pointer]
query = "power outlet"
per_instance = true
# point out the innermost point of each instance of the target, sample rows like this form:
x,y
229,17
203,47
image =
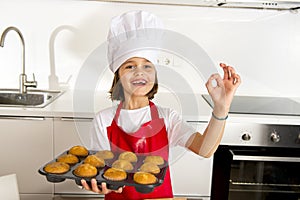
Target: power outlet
x,y
166,61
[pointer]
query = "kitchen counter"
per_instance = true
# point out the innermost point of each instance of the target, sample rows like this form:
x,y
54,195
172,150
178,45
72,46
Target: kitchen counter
x,y
63,106
84,104
79,105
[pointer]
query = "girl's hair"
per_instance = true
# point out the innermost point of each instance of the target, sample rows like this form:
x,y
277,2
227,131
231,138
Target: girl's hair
x,y
117,92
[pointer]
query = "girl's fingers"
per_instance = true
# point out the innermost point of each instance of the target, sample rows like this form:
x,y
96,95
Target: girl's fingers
x,y
231,69
222,65
225,70
209,84
229,72
85,185
120,190
237,79
219,81
214,81
104,188
95,186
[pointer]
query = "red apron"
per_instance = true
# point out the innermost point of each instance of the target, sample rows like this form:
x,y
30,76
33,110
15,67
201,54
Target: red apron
x,y
151,138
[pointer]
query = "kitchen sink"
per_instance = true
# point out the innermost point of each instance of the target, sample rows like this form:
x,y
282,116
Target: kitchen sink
x,y
33,98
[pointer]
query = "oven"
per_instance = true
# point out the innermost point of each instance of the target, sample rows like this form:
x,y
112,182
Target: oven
x,y
257,162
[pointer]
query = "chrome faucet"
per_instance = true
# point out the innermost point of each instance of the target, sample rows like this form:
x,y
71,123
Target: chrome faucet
x,y
23,83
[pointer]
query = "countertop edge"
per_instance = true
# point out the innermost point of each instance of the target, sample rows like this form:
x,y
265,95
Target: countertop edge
x,y
63,106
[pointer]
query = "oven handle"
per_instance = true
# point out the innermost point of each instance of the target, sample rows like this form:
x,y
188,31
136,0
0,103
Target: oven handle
x,y
264,158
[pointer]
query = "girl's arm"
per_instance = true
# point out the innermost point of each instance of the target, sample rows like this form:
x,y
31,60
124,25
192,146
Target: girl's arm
x,y
222,95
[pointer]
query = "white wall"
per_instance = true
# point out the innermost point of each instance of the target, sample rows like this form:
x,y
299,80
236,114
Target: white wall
x,y
262,45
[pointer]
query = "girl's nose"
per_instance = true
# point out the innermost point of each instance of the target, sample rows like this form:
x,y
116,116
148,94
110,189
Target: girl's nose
x,y
139,71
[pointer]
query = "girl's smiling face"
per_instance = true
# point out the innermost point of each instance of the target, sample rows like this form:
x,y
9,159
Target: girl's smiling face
x,y
137,76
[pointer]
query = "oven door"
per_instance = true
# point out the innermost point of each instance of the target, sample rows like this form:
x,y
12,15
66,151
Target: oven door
x,y
256,173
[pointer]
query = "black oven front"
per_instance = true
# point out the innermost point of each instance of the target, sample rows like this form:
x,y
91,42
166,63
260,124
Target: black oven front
x,y
256,171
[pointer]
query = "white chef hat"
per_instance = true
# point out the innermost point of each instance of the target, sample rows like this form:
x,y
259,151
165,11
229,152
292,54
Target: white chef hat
x,y
133,34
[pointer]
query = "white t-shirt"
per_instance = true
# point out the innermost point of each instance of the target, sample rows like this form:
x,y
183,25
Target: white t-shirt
x,y
131,120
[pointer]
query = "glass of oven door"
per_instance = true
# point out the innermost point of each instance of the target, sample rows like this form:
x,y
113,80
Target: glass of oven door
x,y
256,173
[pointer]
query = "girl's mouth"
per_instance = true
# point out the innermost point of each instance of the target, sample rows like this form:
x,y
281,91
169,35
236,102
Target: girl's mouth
x,y
140,82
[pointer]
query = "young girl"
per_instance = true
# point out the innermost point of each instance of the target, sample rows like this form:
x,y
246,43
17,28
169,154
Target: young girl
x,y
140,126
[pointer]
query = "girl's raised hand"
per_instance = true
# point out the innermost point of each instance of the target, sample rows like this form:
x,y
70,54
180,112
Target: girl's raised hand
x,y
222,92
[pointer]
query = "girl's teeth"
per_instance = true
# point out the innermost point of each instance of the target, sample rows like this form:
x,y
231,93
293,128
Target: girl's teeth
x,y
139,82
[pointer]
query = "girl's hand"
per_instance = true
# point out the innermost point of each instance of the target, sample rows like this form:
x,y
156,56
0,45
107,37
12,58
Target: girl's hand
x,y
223,91
96,189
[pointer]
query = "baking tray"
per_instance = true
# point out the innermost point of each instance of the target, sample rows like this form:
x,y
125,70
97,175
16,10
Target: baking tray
x,y
113,185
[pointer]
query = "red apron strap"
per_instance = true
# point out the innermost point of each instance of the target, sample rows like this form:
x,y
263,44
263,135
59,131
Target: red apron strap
x,y
118,111
154,111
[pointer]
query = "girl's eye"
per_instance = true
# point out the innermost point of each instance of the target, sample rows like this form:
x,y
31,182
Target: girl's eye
x,y
129,67
148,66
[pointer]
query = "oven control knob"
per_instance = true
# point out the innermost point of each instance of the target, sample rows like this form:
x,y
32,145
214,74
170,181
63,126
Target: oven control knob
x,y
275,137
246,136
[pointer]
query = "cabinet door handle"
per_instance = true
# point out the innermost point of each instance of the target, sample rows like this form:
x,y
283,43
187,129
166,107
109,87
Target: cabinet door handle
x,y
23,118
79,196
76,119
197,122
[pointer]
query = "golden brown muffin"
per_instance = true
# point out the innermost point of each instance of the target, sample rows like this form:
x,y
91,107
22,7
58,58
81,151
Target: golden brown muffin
x,y
158,160
85,170
57,168
95,161
79,151
105,154
150,167
144,178
127,155
122,164
68,158
114,174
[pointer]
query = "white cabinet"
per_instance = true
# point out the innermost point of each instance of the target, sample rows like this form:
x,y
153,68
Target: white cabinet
x,y
191,174
26,144
67,133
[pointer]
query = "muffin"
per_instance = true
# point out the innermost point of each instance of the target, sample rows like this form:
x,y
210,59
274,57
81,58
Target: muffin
x,y
150,167
128,155
85,170
79,151
57,168
105,154
144,178
68,158
122,164
158,160
95,161
114,174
